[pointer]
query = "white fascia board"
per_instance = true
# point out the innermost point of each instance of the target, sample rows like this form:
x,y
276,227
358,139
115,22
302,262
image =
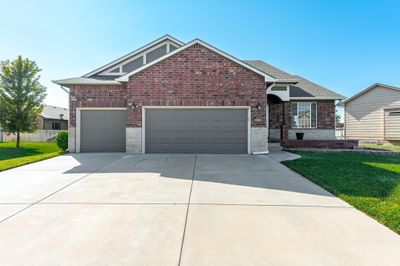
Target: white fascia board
x,y
100,69
85,81
315,98
267,78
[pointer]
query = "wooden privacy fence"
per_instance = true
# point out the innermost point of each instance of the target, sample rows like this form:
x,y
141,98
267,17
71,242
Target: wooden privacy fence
x,y
38,136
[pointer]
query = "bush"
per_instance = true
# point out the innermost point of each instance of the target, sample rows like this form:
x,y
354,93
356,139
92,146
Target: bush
x,y
62,140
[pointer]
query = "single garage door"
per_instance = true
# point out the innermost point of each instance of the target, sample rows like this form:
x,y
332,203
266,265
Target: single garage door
x,y
103,130
196,131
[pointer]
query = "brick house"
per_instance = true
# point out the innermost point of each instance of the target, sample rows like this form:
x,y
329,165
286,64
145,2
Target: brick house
x,y
172,97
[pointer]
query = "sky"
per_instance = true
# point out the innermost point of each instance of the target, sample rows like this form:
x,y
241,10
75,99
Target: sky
x,y
343,45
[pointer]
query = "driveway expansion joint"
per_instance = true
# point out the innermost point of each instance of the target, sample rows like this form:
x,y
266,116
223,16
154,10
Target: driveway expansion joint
x,y
187,210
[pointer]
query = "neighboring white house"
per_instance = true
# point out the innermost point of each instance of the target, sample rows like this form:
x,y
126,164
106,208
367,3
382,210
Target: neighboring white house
x,y
373,114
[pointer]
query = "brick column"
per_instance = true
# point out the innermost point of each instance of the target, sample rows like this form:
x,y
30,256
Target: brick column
x,y
286,120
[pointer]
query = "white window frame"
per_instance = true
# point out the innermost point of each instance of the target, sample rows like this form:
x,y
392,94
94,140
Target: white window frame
x,y
297,114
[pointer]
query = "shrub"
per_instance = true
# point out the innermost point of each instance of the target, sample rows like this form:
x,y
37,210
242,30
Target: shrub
x,y
62,140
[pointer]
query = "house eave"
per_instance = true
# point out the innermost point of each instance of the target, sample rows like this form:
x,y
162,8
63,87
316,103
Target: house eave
x,y
314,98
84,81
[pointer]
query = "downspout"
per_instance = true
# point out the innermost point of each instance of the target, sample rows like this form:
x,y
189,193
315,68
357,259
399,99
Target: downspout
x,y
64,89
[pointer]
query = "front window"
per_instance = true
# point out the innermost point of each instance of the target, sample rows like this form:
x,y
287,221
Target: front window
x,y
304,115
55,126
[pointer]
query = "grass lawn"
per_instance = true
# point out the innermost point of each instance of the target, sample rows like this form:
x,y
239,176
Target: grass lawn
x,y
369,182
383,147
29,152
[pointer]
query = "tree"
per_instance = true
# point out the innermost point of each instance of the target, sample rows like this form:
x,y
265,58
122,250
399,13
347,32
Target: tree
x,y
21,96
338,117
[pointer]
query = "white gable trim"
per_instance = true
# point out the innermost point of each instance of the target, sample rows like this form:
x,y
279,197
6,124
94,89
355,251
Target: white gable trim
x,y
342,103
123,58
136,56
267,78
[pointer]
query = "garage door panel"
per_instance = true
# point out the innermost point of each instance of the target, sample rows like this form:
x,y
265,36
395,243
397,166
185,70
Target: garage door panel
x,y
196,131
103,130
229,148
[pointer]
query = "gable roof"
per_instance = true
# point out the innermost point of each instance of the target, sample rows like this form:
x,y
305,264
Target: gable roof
x,y
54,112
131,54
303,89
342,103
266,76
300,88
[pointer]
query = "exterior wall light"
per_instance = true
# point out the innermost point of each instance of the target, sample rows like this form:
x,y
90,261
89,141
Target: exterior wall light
x,y
132,106
259,106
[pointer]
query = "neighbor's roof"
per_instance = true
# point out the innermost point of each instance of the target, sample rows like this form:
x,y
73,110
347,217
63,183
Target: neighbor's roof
x,y
368,89
54,112
302,89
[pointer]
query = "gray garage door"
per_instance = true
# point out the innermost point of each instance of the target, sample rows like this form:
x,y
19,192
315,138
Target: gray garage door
x,y
196,131
103,130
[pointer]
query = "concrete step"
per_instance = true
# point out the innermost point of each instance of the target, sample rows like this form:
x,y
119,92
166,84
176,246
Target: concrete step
x,y
274,147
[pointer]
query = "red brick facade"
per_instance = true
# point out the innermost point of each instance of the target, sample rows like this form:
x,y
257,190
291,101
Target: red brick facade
x,y
325,114
197,76
319,144
95,96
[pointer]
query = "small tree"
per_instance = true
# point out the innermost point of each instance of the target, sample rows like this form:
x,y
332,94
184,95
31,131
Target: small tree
x,y
338,120
62,140
338,117
21,96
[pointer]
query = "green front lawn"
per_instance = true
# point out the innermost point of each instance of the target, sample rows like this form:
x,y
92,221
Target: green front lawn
x,y
29,152
369,182
382,147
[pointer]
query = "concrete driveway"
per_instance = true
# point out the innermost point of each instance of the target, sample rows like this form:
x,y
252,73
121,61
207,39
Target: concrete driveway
x,y
116,209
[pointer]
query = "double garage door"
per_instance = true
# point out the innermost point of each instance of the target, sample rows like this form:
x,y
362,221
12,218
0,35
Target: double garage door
x,y
169,130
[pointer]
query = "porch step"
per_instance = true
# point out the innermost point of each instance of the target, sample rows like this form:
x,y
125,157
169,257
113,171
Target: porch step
x,y
274,147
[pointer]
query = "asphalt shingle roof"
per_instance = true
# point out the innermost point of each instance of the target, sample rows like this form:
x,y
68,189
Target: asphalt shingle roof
x,y
269,69
304,87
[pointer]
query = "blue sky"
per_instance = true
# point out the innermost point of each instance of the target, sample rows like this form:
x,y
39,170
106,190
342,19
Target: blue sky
x,y
343,45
